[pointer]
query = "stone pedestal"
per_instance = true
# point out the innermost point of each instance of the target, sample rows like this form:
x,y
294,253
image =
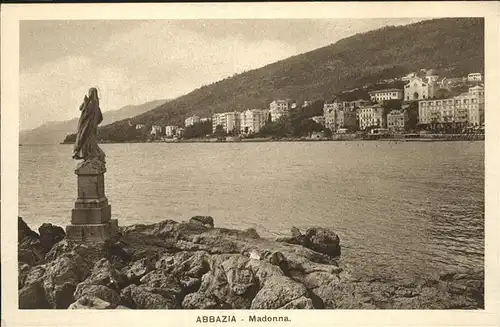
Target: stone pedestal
x,y
91,217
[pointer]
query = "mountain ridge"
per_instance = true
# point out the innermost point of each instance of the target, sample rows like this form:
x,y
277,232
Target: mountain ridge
x,y
455,46
53,132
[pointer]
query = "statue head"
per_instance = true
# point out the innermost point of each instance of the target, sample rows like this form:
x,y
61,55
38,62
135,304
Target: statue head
x,y
93,93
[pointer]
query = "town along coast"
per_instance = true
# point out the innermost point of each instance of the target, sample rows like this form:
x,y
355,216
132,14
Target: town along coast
x,y
337,137
196,265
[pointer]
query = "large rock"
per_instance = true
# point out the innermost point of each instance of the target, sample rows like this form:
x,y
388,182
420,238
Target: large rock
x,y
278,292
33,297
141,297
164,284
23,231
50,235
138,269
318,239
98,291
206,221
90,302
59,278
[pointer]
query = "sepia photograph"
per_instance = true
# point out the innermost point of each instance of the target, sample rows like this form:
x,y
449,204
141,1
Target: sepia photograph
x,y
251,163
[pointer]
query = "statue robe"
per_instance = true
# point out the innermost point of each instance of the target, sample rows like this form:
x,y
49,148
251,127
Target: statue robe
x,y
86,137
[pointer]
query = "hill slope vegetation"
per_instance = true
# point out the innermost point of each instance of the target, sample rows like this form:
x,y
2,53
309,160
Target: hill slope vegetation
x,y
453,46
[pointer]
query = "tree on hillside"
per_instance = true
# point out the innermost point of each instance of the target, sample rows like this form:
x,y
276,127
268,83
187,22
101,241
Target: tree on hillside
x,y
198,130
219,131
412,111
390,105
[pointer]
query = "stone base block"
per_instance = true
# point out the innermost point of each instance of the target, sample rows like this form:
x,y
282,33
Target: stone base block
x,y
91,215
92,232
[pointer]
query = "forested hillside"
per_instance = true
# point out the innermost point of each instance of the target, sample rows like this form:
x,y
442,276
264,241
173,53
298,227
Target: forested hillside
x,y
453,46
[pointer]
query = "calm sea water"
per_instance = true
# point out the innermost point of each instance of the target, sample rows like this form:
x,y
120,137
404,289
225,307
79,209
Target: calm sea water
x,y
400,209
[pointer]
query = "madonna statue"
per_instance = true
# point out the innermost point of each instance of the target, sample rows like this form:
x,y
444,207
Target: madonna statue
x,y
86,137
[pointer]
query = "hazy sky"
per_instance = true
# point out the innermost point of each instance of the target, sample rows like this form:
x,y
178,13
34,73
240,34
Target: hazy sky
x,y
133,62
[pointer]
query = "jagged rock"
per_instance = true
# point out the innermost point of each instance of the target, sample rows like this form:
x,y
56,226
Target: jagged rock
x,y
278,291
30,252
323,240
59,278
252,233
23,231
140,297
139,269
97,291
203,301
23,270
300,303
164,283
230,279
90,302
33,297
103,274
206,221
50,235
190,265
318,239
64,246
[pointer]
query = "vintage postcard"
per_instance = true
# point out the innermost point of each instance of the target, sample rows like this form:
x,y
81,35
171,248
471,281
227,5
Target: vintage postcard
x,y
244,164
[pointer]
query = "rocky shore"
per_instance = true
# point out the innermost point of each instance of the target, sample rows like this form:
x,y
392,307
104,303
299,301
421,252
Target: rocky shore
x,y
194,265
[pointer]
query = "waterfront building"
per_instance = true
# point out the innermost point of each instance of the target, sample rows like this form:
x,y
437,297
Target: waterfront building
x,y
464,109
372,115
140,126
474,77
252,120
191,120
353,105
279,108
230,121
397,120
156,130
170,130
345,120
338,115
387,94
419,89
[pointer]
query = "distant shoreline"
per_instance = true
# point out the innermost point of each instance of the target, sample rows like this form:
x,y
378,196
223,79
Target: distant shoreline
x,y
338,138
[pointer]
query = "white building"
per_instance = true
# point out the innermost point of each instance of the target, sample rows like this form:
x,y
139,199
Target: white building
x,y
204,119
170,130
252,120
140,126
371,116
419,89
279,108
156,130
387,94
466,109
230,121
474,77
191,120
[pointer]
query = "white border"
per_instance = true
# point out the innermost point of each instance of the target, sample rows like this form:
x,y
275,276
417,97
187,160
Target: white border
x,y
10,16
